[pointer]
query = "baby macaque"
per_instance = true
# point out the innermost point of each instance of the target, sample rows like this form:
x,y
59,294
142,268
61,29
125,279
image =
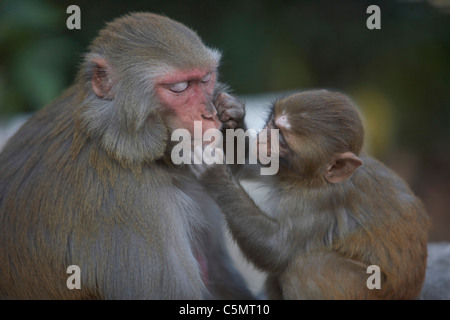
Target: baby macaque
x,y
336,221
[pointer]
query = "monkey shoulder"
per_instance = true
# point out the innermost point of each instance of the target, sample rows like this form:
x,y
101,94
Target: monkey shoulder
x,y
44,131
374,200
378,194
378,181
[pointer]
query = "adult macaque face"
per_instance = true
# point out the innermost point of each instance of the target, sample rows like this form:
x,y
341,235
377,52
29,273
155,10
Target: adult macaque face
x,y
189,96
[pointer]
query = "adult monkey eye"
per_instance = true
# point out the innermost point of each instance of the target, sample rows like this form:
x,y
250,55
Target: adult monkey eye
x,y
179,86
206,78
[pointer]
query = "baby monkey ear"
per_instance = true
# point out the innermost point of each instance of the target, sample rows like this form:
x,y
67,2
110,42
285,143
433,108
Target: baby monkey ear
x,y
342,167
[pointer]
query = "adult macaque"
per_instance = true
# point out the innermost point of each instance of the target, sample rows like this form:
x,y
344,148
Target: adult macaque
x,y
331,212
88,180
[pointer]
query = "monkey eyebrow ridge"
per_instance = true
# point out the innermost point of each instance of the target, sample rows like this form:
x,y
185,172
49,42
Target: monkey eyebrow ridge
x,y
185,76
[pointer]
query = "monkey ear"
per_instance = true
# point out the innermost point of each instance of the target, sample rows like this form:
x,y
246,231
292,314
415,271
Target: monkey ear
x,y
342,167
101,78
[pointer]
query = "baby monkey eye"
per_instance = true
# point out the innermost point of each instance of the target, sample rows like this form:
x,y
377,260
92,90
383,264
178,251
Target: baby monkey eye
x,y
179,86
206,78
283,143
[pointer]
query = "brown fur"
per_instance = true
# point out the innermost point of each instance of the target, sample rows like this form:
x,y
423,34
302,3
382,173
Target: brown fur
x,y
316,238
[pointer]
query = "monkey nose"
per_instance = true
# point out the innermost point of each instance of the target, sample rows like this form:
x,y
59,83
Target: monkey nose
x,y
207,116
210,116
209,112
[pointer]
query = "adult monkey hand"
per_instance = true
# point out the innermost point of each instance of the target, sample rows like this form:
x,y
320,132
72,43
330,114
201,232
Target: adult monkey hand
x,y
231,111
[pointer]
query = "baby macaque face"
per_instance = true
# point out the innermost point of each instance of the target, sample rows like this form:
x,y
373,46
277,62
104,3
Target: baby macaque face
x,y
318,131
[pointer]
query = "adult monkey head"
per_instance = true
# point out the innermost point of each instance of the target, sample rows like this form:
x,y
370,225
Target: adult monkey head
x,y
88,181
147,75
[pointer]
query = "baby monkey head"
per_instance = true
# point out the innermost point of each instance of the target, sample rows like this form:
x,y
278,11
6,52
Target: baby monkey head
x,y
320,136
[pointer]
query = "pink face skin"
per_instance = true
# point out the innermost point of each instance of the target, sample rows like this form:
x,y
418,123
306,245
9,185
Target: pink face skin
x,y
189,95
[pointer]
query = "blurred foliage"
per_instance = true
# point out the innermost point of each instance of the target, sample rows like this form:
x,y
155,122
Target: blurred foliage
x,y
399,74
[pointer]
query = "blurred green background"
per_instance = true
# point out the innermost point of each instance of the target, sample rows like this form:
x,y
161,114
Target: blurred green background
x,y
399,75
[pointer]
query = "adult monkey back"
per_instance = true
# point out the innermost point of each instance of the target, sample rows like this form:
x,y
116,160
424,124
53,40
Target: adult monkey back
x,y
88,180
